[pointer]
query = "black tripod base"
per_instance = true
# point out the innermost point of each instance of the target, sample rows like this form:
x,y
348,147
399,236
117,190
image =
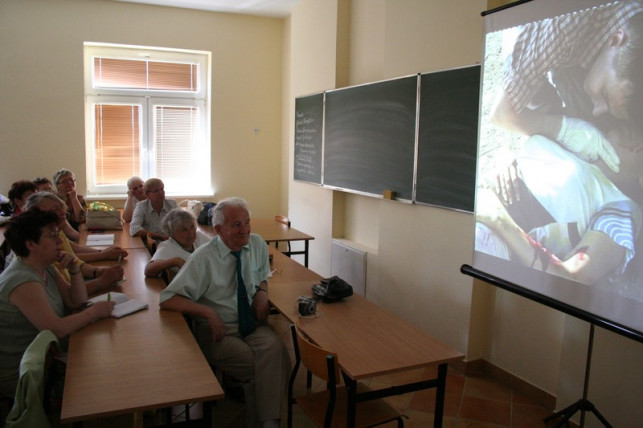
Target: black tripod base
x,y
562,416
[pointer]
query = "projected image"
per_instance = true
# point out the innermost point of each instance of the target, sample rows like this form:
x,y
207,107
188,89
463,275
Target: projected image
x,y
560,168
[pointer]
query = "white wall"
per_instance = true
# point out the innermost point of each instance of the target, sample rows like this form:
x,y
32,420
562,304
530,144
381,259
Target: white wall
x,y
313,30
41,82
418,250
427,283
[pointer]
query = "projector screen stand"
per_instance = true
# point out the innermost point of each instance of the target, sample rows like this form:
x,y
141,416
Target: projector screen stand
x,y
583,405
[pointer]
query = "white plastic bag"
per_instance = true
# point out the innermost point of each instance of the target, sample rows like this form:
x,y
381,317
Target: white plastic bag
x,y
192,206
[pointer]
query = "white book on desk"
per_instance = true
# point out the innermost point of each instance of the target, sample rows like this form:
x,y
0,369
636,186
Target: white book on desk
x,y
100,240
124,305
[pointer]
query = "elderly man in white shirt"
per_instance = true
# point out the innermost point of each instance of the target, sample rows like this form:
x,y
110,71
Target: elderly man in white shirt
x,y
149,213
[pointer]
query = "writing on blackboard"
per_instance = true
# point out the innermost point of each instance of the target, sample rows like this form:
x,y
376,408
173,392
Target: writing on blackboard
x,y
306,150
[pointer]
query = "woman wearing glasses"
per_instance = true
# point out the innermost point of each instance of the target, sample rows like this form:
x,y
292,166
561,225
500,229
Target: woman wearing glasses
x,y
76,205
180,226
34,296
135,194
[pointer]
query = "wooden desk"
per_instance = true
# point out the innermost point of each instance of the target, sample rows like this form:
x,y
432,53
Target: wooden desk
x,y
122,237
287,270
273,232
146,360
369,340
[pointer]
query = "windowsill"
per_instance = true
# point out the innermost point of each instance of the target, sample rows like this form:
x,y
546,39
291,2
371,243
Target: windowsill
x,y
121,197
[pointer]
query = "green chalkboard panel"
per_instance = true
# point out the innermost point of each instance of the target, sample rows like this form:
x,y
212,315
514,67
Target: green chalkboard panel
x,y
309,120
369,138
448,138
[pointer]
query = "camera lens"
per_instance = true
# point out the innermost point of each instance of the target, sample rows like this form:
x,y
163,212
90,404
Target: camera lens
x,y
311,308
307,308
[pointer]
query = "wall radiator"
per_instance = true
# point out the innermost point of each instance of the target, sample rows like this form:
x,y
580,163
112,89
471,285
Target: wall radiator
x,y
349,263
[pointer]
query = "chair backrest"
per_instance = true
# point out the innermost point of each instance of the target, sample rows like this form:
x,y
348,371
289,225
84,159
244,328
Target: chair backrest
x,y
320,406
4,252
168,275
318,361
28,407
150,244
283,220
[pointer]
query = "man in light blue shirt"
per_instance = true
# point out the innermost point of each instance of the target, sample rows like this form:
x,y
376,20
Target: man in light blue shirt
x,y
149,213
206,288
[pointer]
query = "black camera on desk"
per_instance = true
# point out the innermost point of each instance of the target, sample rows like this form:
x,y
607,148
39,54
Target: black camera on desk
x,y
306,306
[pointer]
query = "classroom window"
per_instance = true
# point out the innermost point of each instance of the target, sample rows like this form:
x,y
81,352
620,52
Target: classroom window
x,y
147,114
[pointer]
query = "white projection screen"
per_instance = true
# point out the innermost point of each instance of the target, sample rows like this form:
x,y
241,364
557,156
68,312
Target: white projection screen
x,y
559,185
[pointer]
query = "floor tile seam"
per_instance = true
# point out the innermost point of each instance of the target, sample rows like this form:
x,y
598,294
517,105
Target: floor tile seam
x,y
511,408
460,404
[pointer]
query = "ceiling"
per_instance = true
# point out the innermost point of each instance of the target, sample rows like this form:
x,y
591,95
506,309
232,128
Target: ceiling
x,y
274,8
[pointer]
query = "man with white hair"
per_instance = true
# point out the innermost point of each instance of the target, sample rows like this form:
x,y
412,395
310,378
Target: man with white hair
x,y
224,286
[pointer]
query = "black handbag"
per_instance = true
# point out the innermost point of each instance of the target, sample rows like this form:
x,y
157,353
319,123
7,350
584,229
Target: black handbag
x,y
332,289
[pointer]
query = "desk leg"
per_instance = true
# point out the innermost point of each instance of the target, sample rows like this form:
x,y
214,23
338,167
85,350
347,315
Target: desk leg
x,y
351,392
208,413
306,252
439,395
137,420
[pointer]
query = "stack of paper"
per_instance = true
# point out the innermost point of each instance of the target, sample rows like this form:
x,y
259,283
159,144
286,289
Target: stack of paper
x,y
100,240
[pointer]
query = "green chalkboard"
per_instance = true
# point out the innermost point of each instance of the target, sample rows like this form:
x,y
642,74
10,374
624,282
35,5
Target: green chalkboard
x,y
369,138
420,144
448,138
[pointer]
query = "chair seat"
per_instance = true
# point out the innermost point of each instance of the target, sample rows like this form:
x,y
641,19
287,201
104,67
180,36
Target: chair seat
x,y
368,413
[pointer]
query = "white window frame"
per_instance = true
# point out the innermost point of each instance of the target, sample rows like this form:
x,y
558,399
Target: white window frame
x,y
199,183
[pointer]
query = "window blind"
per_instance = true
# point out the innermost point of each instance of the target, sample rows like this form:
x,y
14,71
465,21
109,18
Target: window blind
x,y
147,114
144,74
117,142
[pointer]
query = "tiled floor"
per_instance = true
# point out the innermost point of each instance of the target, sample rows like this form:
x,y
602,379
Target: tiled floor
x,y
471,401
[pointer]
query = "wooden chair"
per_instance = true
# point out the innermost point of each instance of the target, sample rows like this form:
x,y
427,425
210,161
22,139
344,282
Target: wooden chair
x,y
328,408
283,220
29,407
168,275
4,252
150,244
6,403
